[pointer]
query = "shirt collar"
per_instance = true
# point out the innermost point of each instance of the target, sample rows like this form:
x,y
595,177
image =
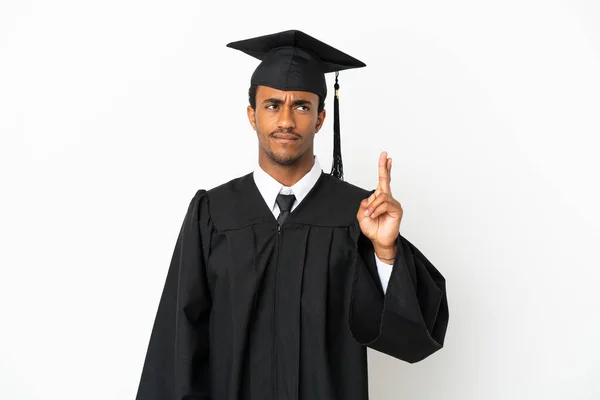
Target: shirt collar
x,y
269,188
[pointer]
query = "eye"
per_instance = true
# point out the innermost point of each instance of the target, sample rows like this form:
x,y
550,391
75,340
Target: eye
x,y
271,106
303,108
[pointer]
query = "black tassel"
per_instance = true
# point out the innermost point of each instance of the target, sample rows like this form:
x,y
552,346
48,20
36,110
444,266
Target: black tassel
x,y
337,168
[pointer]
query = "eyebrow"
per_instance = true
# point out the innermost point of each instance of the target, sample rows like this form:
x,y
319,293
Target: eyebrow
x,y
299,102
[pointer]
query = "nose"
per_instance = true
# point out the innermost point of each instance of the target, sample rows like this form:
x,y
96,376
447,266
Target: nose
x,y
286,119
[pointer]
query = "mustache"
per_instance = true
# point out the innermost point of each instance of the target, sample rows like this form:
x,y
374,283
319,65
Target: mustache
x,y
283,132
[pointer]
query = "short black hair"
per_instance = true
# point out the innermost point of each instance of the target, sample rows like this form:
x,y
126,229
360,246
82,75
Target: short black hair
x,y
252,98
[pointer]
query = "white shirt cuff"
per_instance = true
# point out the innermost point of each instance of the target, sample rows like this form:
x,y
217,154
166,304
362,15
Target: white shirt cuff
x,y
385,271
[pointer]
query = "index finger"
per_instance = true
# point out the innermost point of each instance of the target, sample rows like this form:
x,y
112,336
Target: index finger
x,y
384,173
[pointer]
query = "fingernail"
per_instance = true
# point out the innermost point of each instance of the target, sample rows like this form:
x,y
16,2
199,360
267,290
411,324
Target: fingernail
x,y
367,211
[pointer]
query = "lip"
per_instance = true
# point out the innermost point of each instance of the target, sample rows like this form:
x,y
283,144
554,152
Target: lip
x,y
285,138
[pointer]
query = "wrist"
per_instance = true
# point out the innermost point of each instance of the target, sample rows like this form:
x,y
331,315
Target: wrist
x,y
386,254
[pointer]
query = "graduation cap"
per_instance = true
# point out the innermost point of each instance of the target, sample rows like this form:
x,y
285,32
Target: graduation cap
x,y
293,60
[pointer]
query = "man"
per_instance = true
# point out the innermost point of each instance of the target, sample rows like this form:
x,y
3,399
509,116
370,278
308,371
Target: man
x,y
280,279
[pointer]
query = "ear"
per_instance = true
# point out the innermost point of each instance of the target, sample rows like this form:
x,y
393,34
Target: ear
x,y
320,120
251,116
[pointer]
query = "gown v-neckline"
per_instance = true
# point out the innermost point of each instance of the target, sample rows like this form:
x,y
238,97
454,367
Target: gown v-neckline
x,y
296,213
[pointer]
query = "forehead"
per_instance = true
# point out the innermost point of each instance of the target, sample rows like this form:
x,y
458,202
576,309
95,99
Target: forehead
x,y
266,92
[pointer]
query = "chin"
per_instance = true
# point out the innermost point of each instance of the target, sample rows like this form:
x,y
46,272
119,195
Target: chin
x,y
284,158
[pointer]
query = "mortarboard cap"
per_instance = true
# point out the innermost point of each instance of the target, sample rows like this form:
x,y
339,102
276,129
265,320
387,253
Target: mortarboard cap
x,y
293,60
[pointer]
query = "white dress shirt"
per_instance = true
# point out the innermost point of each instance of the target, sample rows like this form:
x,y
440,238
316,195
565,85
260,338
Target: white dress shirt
x,y
269,188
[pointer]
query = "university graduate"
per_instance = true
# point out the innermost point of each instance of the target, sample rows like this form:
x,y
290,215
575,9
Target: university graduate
x,y
280,279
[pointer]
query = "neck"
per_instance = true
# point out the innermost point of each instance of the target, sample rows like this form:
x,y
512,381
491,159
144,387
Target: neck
x,y
287,175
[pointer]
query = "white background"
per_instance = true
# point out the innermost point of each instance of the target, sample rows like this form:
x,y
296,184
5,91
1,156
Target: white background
x,y
113,113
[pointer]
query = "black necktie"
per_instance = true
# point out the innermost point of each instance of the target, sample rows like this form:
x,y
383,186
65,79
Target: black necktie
x,y
284,201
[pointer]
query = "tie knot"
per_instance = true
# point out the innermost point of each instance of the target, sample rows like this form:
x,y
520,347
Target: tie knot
x,y
285,201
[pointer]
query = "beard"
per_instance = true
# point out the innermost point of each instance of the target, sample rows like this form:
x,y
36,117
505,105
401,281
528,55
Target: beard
x,y
283,159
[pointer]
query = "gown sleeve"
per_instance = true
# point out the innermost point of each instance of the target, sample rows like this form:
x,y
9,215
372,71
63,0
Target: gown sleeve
x,y
176,363
409,321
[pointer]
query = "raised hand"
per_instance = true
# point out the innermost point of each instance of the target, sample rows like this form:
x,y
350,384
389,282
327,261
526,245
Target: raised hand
x,y
380,214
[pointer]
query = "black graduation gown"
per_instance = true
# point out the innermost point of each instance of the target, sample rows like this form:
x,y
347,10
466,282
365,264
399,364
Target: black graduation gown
x,y
249,311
